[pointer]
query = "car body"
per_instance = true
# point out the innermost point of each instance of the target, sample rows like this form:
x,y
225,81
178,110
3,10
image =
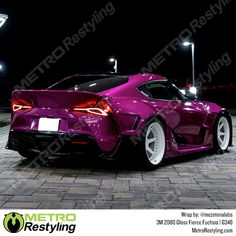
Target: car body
x,y
102,112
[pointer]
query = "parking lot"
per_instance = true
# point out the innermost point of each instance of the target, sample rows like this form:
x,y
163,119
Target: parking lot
x,y
197,181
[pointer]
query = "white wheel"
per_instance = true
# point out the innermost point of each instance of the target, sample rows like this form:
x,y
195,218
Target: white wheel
x,y
155,143
223,133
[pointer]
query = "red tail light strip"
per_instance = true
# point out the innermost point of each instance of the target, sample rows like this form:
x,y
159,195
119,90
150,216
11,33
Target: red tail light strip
x,y
16,107
96,107
20,105
95,111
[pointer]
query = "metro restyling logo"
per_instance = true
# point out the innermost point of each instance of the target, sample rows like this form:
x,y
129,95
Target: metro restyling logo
x,y
15,222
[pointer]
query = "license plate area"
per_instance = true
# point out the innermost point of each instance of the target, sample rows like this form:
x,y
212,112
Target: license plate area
x,y
48,124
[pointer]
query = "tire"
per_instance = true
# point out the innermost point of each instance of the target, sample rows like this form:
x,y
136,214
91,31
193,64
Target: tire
x,y
222,134
152,145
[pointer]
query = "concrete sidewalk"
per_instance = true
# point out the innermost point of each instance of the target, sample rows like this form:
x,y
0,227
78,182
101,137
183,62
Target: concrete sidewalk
x,y
4,119
5,116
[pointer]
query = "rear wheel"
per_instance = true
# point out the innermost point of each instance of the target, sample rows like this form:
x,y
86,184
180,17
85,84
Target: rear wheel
x,y
222,134
153,145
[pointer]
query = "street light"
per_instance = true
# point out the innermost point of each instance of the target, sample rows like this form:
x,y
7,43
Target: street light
x,y
3,18
114,60
2,68
186,44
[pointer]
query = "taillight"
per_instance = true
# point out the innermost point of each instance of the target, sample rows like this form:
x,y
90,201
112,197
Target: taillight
x,y
94,106
20,105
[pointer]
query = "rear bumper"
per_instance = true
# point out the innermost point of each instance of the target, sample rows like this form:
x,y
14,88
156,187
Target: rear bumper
x,y
102,129
52,143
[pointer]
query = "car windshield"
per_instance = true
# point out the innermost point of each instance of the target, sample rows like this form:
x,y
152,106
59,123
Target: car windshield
x,y
90,83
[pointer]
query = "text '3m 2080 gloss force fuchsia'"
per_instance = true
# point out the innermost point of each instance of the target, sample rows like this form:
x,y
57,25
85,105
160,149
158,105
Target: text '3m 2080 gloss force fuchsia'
x,y
105,112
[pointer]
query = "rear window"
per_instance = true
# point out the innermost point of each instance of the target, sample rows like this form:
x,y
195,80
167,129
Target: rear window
x,y
93,84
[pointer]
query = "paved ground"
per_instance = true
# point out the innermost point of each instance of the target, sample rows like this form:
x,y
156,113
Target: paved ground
x,y
198,181
4,118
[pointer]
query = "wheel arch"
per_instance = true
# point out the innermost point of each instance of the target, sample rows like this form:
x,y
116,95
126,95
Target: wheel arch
x,y
167,131
156,117
146,124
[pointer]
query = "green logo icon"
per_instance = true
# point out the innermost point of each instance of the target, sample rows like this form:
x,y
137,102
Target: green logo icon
x,y
13,222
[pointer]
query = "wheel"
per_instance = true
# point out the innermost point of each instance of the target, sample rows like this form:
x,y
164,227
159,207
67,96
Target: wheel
x,y
222,134
28,155
153,145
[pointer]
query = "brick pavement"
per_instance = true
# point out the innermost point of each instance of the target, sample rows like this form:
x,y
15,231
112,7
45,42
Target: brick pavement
x,y
196,181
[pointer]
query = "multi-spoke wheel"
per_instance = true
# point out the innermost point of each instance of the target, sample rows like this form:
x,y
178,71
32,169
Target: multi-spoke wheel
x,y
153,144
222,134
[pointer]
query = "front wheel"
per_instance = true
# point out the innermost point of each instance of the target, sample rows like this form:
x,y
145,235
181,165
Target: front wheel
x,y
153,145
222,134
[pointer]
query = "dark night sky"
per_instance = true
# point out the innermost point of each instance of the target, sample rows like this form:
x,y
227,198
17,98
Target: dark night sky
x,y
134,34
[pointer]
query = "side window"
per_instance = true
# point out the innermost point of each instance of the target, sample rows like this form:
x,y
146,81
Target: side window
x,y
144,90
159,91
176,94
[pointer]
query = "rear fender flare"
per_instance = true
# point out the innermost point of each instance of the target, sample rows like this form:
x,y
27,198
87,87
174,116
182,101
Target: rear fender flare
x,y
158,117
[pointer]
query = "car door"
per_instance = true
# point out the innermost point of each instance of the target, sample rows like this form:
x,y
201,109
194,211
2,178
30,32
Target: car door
x,y
162,99
192,115
184,117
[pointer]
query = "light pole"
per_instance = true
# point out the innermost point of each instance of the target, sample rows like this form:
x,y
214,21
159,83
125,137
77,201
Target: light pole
x,y
114,60
186,44
3,18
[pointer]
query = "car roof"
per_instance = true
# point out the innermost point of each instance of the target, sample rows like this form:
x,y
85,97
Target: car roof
x,y
137,77
144,78
134,79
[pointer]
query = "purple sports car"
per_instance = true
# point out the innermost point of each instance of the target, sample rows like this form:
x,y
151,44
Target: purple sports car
x,y
84,113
